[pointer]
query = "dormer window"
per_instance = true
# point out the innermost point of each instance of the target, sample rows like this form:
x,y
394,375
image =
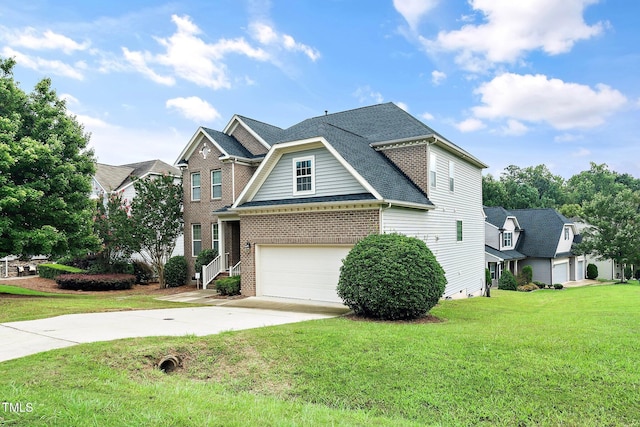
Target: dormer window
x,y
566,233
507,239
304,175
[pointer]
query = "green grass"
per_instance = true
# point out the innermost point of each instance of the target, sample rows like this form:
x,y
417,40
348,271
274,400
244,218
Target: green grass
x,y
38,305
546,358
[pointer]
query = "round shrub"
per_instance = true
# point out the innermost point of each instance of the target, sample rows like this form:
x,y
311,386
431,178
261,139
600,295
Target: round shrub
x,y
539,284
507,281
175,271
558,285
228,286
391,276
204,258
592,271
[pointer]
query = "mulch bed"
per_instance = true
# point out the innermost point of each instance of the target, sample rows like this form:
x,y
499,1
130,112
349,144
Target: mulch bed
x,y
48,285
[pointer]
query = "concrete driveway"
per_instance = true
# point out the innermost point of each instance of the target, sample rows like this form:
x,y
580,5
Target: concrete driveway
x,y
18,339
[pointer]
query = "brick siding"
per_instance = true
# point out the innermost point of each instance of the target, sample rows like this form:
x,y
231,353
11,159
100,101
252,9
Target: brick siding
x,y
412,160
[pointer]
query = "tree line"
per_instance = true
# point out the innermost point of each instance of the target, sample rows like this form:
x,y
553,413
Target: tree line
x,y
606,201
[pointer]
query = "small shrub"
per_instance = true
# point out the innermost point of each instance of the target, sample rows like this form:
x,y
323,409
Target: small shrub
x,y
143,272
592,271
628,272
391,276
204,258
228,286
507,281
51,271
176,271
527,288
558,286
539,284
95,282
527,272
487,277
521,280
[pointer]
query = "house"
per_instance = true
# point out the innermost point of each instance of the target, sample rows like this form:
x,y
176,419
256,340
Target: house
x,y
607,268
540,238
111,179
285,206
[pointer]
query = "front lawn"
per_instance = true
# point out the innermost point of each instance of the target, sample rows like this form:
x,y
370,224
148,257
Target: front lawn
x,y
547,357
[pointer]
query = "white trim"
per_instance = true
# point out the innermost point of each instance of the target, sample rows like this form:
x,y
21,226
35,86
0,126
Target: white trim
x,y
193,254
312,163
191,186
215,224
193,143
218,185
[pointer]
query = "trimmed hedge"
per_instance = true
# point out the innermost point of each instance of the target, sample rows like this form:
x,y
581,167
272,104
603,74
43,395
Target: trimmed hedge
x,y
228,286
51,271
391,276
96,282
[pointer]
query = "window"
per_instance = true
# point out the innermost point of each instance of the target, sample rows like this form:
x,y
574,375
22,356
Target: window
x,y
432,169
451,170
303,172
215,238
459,231
566,233
216,184
196,239
507,239
492,270
195,186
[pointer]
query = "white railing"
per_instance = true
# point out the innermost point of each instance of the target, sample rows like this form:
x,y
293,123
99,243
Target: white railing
x,y
235,270
210,271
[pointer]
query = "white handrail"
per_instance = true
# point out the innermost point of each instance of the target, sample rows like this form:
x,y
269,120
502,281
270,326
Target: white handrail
x,y
235,270
210,271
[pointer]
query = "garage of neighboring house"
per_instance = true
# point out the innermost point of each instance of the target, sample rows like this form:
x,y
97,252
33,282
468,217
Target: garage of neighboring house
x,y
581,270
309,272
561,272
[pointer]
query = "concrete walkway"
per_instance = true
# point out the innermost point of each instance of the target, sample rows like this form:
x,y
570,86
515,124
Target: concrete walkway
x,y
18,339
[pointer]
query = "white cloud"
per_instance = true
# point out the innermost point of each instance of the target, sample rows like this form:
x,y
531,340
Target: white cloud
x,y
268,36
514,128
194,108
537,98
567,137
191,58
402,105
513,28
414,10
427,116
30,38
366,95
42,65
437,77
470,125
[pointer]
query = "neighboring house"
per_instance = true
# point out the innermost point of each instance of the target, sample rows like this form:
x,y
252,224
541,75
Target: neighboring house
x,y
119,179
607,268
540,238
289,204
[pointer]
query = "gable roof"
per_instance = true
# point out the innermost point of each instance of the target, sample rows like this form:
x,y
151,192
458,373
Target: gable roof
x,y
229,145
114,178
269,133
543,230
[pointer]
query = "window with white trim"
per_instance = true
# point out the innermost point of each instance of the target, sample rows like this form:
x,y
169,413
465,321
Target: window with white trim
x,y
195,186
304,175
196,239
216,184
451,175
432,169
507,239
566,233
215,237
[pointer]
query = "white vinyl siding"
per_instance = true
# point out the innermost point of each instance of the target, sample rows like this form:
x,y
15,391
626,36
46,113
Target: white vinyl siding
x,y
433,169
331,178
451,175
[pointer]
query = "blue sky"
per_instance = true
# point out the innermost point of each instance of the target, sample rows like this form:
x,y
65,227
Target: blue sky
x,y
525,83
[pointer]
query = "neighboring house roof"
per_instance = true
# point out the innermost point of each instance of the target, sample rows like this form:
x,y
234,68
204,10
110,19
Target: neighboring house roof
x,y
504,255
496,215
114,178
543,230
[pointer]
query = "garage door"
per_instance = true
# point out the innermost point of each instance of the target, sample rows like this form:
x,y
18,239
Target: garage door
x,y
561,273
303,272
580,270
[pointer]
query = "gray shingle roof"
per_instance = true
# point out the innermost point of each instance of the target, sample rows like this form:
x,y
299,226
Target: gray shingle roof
x,y
496,215
543,230
112,178
268,132
229,144
505,255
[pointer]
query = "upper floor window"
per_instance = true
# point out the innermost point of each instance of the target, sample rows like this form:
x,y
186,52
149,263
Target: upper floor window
x,y
196,239
432,169
195,186
451,175
304,175
507,239
566,233
216,184
459,231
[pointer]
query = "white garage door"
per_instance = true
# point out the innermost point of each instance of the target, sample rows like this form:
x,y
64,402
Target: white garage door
x,y
561,273
303,272
580,270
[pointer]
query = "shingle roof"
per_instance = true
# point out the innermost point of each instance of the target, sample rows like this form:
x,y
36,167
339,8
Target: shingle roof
x,y
505,255
112,178
496,215
229,144
543,230
320,199
268,132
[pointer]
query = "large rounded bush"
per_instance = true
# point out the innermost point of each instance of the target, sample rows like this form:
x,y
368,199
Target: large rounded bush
x,y
391,276
176,272
507,281
592,271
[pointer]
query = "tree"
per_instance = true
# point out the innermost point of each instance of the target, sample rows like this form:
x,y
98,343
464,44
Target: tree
x,y
114,227
614,227
156,213
583,187
45,173
493,191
